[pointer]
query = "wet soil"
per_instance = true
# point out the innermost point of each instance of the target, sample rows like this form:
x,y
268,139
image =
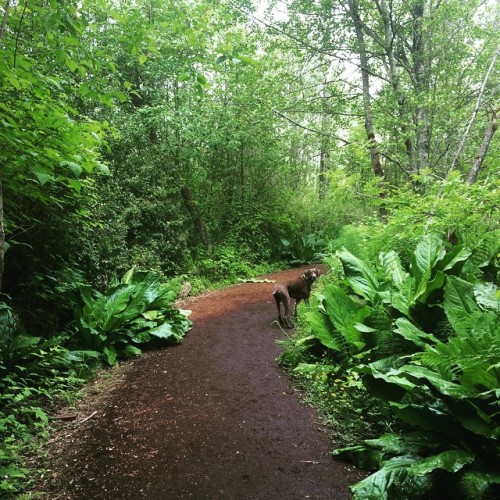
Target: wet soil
x,y
213,418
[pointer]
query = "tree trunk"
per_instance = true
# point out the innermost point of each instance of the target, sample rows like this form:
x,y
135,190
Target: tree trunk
x,y
483,149
2,237
474,114
195,216
3,27
324,160
421,117
389,37
365,75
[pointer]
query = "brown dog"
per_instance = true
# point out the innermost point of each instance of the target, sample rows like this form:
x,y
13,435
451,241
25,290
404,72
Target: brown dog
x,y
298,288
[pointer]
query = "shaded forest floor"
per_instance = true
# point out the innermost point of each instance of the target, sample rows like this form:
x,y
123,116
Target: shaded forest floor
x,y
212,418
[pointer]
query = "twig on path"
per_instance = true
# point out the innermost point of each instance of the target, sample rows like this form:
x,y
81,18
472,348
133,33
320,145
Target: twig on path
x,y
67,416
314,462
87,418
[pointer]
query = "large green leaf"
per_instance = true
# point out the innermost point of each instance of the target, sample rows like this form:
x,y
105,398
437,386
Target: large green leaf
x,y
412,443
110,354
436,380
450,461
361,277
127,277
487,296
366,457
322,330
430,250
345,314
393,480
426,413
410,332
473,418
113,307
130,350
392,376
456,255
165,331
391,264
401,297
459,305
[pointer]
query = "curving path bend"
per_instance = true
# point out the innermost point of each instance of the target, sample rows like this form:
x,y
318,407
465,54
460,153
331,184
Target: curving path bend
x,y
212,418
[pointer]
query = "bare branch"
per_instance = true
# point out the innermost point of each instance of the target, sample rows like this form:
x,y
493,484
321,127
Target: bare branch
x,y
307,128
474,113
488,134
307,45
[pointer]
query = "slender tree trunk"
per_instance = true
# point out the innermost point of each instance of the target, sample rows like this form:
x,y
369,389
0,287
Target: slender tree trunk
x,y
195,216
421,116
483,149
365,76
475,112
2,237
242,172
324,160
323,170
3,27
389,37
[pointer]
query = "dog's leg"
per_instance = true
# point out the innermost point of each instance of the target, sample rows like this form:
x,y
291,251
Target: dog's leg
x,y
278,297
297,302
287,303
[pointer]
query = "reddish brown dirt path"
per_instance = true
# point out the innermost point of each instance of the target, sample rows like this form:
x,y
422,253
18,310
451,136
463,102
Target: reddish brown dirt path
x,y
212,418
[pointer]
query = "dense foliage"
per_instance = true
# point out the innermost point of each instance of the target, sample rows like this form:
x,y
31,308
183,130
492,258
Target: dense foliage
x,y
206,141
423,338
36,372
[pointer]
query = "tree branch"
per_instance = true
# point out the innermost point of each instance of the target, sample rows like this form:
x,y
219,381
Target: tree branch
x,y
297,124
304,43
488,134
474,113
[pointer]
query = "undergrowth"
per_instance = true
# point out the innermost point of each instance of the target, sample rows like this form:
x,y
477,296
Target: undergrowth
x,y
409,344
38,375
345,408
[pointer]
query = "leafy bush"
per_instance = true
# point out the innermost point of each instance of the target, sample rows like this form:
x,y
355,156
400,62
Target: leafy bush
x,y
225,264
426,340
449,208
33,372
353,238
304,249
135,311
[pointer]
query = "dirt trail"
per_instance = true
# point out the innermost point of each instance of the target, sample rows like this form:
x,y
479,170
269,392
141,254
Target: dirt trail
x,y
212,418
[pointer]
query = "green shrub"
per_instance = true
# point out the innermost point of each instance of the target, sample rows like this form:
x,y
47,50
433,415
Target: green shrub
x,y
135,311
33,373
352,238
225,264
452,209
425,339
304,249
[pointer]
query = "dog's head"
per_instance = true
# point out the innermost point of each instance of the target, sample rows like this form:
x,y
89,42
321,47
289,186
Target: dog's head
x,y
310,275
